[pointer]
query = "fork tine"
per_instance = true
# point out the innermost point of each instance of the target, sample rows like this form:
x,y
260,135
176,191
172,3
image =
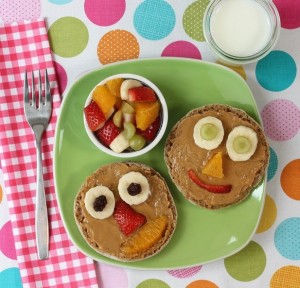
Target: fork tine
x,y
33,98
40,90
47,88
26,92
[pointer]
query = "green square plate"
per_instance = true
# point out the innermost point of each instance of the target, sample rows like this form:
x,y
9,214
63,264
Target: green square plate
x,y
201,235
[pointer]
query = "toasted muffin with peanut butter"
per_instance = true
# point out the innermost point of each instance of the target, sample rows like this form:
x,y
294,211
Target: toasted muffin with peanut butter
x,y
125,211
216,155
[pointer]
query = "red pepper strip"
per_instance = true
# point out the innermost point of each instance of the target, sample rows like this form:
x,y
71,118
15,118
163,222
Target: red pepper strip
x,y
208,187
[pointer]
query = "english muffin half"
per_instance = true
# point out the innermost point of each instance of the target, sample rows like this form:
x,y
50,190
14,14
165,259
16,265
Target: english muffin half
x,y
125,211
216,155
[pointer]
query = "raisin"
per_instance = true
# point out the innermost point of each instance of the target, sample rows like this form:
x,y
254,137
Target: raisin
x,y
100,203
134,189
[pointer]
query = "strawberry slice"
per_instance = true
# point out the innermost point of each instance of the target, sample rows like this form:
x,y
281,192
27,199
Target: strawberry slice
x,y
211,188
141,94
94,116
127,218
107,133
150,133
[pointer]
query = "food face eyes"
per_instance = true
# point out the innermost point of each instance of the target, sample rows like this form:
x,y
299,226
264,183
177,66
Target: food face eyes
x,y
241,142
133,189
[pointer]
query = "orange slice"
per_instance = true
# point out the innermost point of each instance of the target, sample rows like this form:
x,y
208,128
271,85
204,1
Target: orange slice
x,y
114,86
214,166
146,113
146,236
104,98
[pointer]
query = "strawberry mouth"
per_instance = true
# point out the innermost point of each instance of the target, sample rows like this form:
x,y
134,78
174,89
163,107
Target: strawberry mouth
x,y
209,187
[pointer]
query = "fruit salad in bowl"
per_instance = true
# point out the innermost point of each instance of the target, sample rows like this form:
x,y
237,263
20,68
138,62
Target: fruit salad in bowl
x,y
125,115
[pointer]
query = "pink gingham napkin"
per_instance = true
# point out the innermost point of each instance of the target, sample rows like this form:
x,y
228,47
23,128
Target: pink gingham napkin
x,y
25,46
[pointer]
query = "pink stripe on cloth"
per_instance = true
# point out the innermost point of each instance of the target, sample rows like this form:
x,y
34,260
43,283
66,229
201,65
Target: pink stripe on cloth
x,y
26,47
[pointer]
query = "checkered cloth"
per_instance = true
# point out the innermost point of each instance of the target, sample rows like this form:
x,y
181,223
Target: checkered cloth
x,y
25,46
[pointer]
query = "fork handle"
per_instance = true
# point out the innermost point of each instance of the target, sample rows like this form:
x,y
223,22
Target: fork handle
x,y
41,214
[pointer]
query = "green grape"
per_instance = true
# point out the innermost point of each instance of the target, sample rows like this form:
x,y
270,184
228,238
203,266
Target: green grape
x,y
129,130
208,131
117,119
241,145
127,108
137,142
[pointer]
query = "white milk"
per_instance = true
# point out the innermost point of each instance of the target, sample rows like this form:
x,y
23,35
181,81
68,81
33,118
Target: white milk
x,y
240,27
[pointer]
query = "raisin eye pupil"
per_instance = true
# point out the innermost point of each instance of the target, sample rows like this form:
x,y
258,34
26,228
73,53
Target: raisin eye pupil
x,y
134,189
100,203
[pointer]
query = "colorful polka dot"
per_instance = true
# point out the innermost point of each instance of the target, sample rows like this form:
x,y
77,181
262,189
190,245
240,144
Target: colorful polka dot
x,y
154,19
62,77
153,283
286,277
117,45
289,11
281,119
268,216
68,36
181,49
290,179
185,273
7,243
105,272
18,11
11,278
248,264
202,284
104,12
277,71
192,19
273,164
287,238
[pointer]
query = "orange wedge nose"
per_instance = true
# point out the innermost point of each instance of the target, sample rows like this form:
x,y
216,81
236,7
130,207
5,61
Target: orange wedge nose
x,y
214,166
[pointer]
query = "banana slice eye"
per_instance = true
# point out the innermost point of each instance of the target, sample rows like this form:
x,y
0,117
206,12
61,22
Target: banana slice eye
x,y
134,188
208,133
241,143
99,201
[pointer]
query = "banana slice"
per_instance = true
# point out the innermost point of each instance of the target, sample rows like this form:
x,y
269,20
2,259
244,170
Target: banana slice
x,y
208,133
134,188
99,201
126,85
119,144
241,143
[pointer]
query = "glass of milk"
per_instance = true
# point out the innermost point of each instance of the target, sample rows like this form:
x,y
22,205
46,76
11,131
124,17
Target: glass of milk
x,y
241,31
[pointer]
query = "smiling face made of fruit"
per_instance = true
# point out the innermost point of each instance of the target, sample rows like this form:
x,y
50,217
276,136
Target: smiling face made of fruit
x,y
216,155
125,211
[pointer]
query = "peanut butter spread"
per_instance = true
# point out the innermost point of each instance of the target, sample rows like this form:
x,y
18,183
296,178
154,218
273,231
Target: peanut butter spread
x,y
105,235
183,154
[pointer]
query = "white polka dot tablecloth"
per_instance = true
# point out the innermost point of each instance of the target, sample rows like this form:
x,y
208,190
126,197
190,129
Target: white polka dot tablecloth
x,y
89,34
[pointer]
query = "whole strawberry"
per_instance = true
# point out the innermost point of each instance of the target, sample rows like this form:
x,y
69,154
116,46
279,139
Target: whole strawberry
x,y
128,219
107,133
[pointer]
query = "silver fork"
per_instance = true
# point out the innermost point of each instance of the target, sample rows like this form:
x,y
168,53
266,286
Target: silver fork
x,y
38,109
